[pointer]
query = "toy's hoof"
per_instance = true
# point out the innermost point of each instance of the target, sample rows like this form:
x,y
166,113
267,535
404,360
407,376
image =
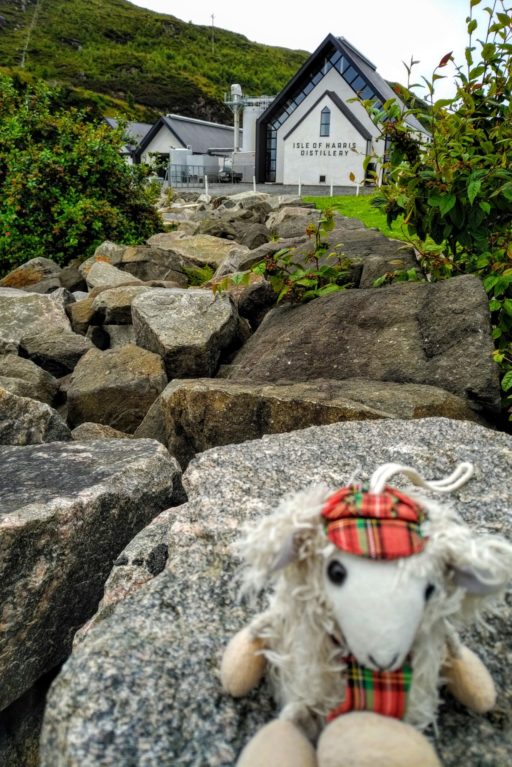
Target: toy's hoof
x,y
363,739
242,668
278,744
470,682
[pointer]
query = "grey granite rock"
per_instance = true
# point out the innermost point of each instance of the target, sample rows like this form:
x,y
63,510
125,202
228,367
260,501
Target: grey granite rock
x,y
154,263
436,334
23,314
191,416
114,305
26,379
200,249
39,275
67,510
188,328
115,387
143,687
89,430
119,335
102,275
26,421
57,352
291,221
142,560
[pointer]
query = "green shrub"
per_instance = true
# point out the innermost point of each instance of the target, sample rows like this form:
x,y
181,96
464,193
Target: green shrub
x,y
457,189
64,187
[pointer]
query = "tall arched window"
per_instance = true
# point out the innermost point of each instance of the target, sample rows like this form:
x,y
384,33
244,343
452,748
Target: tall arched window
x,y
325,122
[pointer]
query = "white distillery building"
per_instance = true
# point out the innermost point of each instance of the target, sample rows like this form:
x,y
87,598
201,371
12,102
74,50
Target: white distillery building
x,y
313,132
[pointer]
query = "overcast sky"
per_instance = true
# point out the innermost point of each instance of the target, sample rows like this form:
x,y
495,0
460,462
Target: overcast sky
x,y
386,31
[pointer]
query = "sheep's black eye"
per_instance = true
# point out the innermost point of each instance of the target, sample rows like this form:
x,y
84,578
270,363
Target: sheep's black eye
x,y
336,572
429,591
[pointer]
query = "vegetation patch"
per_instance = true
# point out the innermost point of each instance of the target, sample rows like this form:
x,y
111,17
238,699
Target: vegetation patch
x,y
64,186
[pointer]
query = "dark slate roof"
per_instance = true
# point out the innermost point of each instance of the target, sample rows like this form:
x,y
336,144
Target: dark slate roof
x,y
135,132
199,134
360,128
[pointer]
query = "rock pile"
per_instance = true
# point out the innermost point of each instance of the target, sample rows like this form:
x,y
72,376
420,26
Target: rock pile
x,y
114,374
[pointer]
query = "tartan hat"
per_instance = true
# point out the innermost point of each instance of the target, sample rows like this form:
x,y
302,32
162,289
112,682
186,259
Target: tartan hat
x,y
385,525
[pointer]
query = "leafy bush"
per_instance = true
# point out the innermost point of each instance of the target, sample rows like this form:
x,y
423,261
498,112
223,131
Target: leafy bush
x,y
457,188
64,187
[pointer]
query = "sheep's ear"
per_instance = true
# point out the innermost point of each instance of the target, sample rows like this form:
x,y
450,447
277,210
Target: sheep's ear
x,y
477,583
287,554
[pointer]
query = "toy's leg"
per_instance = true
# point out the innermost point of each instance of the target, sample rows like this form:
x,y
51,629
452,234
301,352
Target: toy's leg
x,y
278,744
242,667
469,681
363,739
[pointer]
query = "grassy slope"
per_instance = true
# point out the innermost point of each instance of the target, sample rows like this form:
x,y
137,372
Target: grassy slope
x,y
129,53
361,207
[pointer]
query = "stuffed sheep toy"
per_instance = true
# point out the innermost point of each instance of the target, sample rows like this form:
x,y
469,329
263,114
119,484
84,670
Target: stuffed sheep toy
x,y
369,589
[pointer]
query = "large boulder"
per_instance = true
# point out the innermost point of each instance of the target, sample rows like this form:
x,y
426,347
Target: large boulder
x,y
26,379
154,263
115,387
292,221
192,416
189,329
67,510
114,305
200,249
104,275
57,352
436,334
163,645
24,314
25,421
39,275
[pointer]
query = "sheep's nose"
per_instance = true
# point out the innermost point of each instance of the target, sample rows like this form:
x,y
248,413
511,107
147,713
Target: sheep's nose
x,y
381,664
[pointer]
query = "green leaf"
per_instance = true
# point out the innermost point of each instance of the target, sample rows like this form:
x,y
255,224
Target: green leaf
x,y
473,189
494,305
485,206
475,2
329,289
506,381
446,203
472,26
507,306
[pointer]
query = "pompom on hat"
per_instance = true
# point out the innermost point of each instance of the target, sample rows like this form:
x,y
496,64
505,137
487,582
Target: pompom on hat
x,y
380,522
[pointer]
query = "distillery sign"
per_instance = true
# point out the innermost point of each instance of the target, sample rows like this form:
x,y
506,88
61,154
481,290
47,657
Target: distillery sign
x,y
324,148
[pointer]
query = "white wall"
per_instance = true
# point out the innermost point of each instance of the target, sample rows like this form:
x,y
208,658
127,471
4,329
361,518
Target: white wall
x,y
162,143
307,155
341,129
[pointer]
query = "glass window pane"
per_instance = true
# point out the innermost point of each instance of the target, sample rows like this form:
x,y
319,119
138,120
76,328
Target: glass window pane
x,y
358,83
350,74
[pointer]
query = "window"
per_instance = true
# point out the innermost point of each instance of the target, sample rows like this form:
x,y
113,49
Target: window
x,y
325,122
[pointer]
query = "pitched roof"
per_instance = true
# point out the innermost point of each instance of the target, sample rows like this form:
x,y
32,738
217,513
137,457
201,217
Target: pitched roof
x,y
134,131
201,135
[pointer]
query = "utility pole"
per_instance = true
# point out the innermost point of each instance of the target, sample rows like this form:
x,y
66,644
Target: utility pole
x,y
213,33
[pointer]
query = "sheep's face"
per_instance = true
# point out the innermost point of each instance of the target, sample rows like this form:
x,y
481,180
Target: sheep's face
x,y
377,605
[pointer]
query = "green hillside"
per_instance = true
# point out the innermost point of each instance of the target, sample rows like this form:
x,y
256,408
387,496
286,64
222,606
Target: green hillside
x,y
138,57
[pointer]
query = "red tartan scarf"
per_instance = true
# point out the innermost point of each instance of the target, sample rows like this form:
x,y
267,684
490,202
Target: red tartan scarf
x,y
383,692
383,525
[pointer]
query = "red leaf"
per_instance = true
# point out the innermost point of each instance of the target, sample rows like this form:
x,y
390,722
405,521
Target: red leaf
x,y
446,58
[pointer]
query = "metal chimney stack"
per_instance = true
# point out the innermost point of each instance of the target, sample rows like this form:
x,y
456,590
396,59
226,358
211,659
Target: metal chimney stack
x,y
236,105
